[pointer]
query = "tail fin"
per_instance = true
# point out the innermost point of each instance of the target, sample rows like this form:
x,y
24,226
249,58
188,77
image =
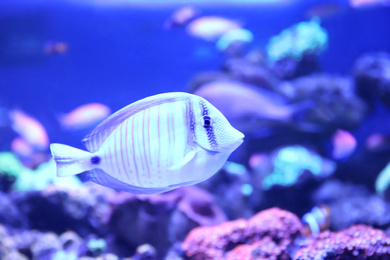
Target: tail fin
x,y
69,160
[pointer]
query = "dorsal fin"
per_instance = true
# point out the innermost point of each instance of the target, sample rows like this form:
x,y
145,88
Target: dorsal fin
x,y
97,136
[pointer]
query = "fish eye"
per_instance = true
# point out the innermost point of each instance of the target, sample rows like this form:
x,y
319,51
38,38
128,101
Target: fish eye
x,y
207,122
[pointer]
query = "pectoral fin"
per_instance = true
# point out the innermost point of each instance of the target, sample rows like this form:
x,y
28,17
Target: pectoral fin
x,y
187,158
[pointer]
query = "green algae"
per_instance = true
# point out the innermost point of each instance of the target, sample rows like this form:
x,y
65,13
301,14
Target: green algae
x,y
27,179
291,162
305,38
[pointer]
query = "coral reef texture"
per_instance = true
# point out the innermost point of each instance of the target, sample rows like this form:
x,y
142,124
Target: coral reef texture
x,y
271,230
278,234
356,242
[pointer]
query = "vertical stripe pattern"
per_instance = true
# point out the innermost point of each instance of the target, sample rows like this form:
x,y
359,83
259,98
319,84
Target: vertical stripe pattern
x,y
142,149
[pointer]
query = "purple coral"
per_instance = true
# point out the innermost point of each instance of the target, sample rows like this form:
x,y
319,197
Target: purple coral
x,y
360,242
214,242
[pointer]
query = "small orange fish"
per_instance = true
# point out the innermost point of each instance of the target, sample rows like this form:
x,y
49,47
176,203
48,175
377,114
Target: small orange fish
x,y
317,220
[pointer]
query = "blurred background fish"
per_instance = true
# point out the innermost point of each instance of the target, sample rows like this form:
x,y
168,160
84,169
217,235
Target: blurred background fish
x,y
210,28
30,129
182,16
55,48
368,3
344,144
249,108
85,116
324,10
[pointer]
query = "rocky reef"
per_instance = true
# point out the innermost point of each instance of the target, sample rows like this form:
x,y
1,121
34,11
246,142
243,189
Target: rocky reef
x,y
278,234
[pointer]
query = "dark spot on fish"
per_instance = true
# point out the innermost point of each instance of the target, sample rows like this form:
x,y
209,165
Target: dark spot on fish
x,y
207,125
95,160
206,121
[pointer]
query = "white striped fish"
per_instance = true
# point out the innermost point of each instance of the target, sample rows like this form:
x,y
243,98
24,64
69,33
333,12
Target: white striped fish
x,y
154,145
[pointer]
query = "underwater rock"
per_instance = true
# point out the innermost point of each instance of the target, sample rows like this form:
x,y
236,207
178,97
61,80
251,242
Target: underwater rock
x,y
356,242
294,51
197,207
372,77
352,204
32,244
254,74
162,219
111,221
84,209
334,102
213,242
233,190
11,215
289,68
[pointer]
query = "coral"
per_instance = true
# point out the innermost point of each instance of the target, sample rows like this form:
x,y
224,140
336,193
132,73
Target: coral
x,y
214,242
10,169
294,51
107,220
301,39
42,176
291,162
36,245
265,248
356,242
17,177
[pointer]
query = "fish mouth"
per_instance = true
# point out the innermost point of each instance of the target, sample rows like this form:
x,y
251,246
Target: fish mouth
x,y
230,147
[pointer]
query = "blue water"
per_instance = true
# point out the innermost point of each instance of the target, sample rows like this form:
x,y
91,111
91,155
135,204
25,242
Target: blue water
x,y
119,54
